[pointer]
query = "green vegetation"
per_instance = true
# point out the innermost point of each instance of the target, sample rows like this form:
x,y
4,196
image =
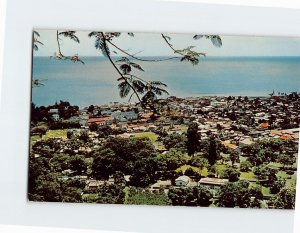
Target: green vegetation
x,y
58,133
145,197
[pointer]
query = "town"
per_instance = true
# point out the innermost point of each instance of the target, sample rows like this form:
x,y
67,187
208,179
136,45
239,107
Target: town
x,y
198,151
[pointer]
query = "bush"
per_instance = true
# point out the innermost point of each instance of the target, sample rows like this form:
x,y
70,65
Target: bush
x,y
232,174
290,172
276,187
245,166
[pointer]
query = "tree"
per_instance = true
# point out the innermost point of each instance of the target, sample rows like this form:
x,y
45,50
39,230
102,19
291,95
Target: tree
x,y
234,157
277,186
144,172
110,194
91,109
193,139
78,164
245,166
93,126
190,196
286,160
232,174
212,152
285,199
84,136
175,140
137,196
49,188
199,162
105,164
172,160
239,194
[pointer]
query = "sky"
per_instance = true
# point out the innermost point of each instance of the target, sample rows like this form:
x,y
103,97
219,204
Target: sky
x,y
152,44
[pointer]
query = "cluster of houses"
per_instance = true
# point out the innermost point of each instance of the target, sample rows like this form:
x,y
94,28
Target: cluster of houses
x,y
236,121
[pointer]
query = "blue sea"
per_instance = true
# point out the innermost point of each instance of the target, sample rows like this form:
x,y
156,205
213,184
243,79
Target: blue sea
x,y
95,82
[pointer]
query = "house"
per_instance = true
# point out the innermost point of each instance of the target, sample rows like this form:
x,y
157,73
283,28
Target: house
x,y
54,113
213,184
161,184
124,116
246,142
101,120
230,145
55,117
182,181
93,184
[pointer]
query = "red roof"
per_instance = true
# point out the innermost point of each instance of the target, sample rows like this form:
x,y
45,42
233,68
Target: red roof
x,y
99,119
286,137
264,125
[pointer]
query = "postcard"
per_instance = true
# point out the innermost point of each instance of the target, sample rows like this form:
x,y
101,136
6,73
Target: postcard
x,y
164,119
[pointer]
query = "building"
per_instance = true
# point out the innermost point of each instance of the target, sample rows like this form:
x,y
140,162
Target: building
x,y
182,181
124,116
213,184
101,120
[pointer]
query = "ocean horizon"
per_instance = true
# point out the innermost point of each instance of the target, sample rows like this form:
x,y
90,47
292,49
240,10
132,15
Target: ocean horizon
x,y
96,81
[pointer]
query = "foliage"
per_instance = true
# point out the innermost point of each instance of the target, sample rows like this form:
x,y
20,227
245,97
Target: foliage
x,y
190,196
78,164
239,194
277,186
193,137
285,199
105,164
175,140
145,197
212,150
245,166
110,194
231,174
199,161
172,160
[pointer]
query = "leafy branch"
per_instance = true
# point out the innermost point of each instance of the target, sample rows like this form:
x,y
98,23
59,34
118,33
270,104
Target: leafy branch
x,y
59,55
124,66
138,58
145,91
36,41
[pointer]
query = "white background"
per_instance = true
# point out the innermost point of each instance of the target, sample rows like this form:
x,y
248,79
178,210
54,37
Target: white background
x,y
129,15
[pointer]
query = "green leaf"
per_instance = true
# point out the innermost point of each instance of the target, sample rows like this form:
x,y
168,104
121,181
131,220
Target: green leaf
x,y
94,33
139,86
126,69
157,83
124,59
124,88
71,35
197,37
167,37
35,33
216,40
137,66
149,96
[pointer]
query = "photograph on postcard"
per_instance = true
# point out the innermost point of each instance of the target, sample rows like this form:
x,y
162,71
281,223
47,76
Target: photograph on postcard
x,y
164,119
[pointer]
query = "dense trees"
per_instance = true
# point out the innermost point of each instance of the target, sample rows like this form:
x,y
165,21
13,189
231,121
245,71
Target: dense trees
x,y
212,150
231,174
175,140
193,139
110,194
144,197
285,199
190,196
239,194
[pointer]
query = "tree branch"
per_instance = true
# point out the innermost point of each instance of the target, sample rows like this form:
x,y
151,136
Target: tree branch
x,y
117,69
171,46
140,59
58,44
